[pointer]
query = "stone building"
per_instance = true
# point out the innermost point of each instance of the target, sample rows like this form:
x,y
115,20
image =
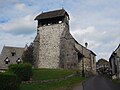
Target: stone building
x,y
10,55
55,47
103,67
115,62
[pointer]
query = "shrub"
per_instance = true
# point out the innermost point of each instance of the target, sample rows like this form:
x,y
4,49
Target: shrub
x,y
23,71
9,81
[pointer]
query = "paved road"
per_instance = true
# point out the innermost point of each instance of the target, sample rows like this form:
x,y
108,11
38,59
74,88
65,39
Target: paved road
x,y
100,83
78,87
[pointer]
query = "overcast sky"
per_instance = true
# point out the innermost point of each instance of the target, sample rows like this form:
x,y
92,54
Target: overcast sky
x,y
94,21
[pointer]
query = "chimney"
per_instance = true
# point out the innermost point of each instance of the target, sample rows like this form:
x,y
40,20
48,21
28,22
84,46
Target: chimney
x,y
86,44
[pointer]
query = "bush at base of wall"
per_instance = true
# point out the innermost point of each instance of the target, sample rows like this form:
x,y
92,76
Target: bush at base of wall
x,y
9,81
23,71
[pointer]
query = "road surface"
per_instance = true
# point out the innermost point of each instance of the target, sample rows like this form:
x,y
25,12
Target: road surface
x,y
100,83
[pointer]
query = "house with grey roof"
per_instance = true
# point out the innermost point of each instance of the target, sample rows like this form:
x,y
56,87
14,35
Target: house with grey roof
x,y
115,62
10,55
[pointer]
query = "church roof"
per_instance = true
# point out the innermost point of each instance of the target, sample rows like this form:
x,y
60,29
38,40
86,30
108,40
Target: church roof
x,y
85,48
52,14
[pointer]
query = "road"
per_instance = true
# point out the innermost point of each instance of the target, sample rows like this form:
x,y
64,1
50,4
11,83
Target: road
x,y
100,83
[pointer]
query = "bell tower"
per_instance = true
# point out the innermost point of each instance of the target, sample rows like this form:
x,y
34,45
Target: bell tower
x,y
52,17
51,27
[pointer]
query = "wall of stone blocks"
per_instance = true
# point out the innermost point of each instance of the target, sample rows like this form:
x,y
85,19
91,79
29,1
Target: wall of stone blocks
x,y
68,55
49,48
36,51
57,49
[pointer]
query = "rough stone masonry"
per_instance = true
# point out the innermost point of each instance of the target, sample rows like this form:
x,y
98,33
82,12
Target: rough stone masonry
x,y
55,47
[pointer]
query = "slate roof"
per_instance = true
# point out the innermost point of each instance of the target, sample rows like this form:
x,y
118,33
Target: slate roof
x,y
12,48
7,52
114,52
51,14
117,48
85,48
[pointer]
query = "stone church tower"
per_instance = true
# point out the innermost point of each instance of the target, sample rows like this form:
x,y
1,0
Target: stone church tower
x,y
55,47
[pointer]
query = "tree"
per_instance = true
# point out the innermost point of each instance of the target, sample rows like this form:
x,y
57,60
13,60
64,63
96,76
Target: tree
x,y
27,56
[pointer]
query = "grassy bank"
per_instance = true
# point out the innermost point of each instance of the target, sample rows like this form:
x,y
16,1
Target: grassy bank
x,y
69,83
47,74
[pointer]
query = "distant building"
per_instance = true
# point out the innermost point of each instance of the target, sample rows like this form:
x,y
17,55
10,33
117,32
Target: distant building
x,y
103,67
55,47
115,62
10,55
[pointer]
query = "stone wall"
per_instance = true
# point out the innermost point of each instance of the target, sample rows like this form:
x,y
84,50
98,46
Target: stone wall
x,y
49,48
56,47
88,62
36,50
68,54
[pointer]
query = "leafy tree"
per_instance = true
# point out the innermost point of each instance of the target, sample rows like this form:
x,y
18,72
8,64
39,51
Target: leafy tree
x,y
27,56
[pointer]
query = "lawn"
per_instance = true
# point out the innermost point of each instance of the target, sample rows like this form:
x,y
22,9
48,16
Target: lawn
x,y
68,84
47,74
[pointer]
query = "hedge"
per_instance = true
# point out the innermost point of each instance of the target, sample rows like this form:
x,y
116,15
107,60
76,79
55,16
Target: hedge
x,y
23,71
9,81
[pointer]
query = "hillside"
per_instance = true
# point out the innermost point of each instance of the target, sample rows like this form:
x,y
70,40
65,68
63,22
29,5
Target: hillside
x,y
52,79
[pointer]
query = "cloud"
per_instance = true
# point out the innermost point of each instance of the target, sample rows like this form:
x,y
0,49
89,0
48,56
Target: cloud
x,y
101,42
15,41
94,21
21,7
23,25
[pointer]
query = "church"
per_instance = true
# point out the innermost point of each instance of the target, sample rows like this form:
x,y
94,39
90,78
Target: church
x,y
55,47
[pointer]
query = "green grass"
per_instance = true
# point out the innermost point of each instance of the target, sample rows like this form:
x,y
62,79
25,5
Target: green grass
x,y
67,84
46,74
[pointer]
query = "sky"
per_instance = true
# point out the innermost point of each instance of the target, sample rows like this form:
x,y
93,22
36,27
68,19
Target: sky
x,y
96,22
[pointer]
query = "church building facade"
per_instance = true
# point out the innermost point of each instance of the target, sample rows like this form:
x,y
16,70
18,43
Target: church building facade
x,y
55,47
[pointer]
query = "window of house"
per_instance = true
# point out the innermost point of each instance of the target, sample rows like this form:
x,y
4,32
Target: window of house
x,y
13,53
18,61
7,60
